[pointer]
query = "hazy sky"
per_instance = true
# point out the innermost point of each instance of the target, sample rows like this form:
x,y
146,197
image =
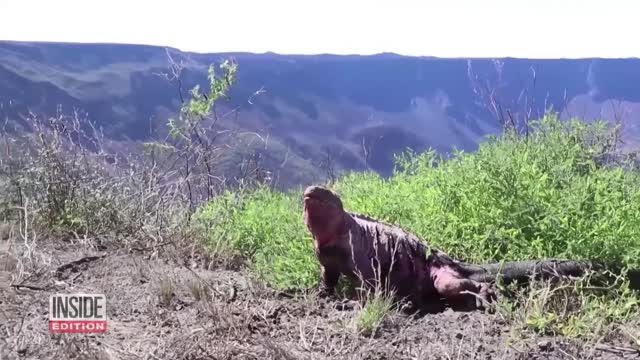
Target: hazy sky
x,y
519,28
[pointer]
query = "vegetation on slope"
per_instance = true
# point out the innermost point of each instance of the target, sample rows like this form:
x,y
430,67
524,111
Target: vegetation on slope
x,y
546,195
549,194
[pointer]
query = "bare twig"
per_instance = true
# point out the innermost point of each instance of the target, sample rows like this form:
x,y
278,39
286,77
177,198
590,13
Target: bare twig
x,y
73,264
30,287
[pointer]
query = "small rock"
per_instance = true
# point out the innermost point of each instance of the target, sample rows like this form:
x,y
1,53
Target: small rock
x,y
459,336
545,345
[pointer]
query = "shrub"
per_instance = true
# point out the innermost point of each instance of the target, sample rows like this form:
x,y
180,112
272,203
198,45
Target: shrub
x,y
266,226
62,174
515,198
546,194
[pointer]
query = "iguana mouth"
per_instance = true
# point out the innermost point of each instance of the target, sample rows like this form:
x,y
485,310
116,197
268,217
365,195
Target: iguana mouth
x,y
312,195
320,194
322,212
313,199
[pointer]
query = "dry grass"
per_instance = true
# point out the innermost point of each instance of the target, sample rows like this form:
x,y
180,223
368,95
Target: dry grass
x,y
578,308
166,290
234,316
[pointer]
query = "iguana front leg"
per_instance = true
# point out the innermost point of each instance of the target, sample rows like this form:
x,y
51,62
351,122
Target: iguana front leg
x,y
328,281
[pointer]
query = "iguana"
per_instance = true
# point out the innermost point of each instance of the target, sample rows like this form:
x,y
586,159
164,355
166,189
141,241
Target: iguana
x,y
372,253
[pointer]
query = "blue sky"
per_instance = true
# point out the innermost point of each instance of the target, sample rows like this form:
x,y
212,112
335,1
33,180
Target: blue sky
x,y
465,28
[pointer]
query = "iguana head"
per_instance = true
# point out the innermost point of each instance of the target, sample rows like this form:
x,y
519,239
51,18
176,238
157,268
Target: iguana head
x,y
323,213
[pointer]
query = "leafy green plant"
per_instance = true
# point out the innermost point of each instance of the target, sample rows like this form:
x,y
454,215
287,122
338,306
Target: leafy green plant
x,y
267,227
515,198
549,194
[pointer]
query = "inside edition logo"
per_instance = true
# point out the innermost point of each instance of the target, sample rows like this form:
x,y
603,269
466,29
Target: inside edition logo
x,y
77,313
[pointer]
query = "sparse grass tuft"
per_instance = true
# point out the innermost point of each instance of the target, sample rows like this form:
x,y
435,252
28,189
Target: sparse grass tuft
x,y
166,290
575,309
197,289
373,313
8,262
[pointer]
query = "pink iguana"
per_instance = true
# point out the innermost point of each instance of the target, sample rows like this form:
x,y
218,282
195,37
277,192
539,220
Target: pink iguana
x,y
373,253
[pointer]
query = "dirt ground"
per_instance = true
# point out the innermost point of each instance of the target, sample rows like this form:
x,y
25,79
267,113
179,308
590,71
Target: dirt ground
x,y
166,306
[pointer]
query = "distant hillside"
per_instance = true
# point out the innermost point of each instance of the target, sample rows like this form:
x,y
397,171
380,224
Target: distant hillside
x,y
383,103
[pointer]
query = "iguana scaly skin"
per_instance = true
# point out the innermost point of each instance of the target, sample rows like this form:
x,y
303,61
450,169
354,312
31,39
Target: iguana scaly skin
x,y
372,253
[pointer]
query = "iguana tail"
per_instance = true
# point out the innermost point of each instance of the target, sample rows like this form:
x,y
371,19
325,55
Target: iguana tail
x,y
521,271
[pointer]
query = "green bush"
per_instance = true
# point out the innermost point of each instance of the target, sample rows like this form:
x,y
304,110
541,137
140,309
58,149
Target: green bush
x,y
546,194
515,198
266,226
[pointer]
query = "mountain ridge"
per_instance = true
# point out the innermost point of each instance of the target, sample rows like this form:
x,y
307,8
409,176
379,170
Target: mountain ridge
x,y
317,102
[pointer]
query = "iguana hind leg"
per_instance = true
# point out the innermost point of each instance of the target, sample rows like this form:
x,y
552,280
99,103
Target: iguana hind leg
x,y
454,287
